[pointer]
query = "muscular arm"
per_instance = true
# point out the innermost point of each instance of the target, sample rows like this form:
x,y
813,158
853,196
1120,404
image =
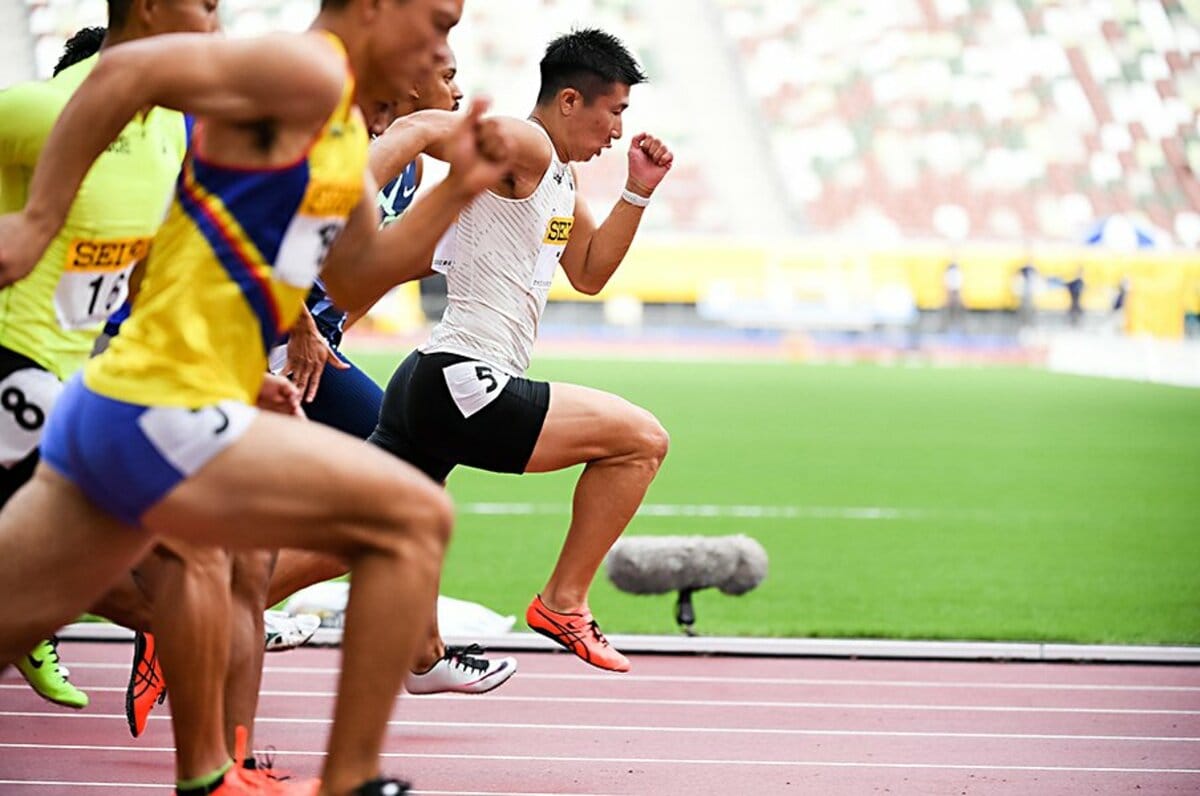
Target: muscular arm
x,y
365,263
530,148
282,77
594,253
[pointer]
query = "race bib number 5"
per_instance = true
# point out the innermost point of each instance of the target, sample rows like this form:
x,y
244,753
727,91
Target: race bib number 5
x,y
473,385
95,279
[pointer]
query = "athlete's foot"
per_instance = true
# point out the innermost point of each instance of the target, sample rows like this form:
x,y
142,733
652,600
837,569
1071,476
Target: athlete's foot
x,y
147,687
284,631
261,772
48,677
382,787
578,632
462,669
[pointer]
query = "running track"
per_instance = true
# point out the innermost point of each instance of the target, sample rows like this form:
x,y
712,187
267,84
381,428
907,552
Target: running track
x,y
675,725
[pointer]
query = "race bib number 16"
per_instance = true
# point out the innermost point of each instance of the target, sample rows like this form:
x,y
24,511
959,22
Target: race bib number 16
x,y
95,279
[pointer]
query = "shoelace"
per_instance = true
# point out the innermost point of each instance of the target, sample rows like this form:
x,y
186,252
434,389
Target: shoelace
x,y
146,677
264,761
463,657
53,657
596,632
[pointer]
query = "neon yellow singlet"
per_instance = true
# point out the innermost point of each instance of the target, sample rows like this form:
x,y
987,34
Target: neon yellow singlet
x,y
230,268
53,315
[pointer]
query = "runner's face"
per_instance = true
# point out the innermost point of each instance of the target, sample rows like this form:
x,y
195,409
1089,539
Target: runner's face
x,y
593,126
184,16
409,37
440,91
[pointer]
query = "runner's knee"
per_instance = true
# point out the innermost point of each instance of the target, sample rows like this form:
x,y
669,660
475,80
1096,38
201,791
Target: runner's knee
x,y
652,440
416,520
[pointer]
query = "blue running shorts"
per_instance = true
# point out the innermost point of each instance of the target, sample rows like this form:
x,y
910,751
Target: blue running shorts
x,y
126,457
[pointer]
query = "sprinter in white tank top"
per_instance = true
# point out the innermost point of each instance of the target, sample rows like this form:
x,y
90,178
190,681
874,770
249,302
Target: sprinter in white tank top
x,y
462,397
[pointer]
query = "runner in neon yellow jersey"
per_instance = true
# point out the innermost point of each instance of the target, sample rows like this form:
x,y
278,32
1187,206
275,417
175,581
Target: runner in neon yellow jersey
x,y
49,321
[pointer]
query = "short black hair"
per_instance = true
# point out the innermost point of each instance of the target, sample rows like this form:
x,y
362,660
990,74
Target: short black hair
x,y
84,44
589,61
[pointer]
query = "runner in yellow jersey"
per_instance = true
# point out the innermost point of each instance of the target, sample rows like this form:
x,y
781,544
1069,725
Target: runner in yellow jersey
x,y
157,437
49,321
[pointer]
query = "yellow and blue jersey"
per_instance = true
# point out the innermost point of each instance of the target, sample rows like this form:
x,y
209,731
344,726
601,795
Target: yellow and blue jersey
x,y
230,268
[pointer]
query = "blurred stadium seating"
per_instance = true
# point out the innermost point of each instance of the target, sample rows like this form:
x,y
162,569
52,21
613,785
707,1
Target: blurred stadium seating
x,y
1006,119
817,139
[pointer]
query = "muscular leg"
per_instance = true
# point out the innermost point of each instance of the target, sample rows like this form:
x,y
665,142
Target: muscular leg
x,y
251,575
58,555
298,569
623,446
192,608
126,604
318,490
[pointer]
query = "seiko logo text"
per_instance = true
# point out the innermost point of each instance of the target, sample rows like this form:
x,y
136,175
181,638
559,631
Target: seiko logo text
x,y
105,255
331,199
558,231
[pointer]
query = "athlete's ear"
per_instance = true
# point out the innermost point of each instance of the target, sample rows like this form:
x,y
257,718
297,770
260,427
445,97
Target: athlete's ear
x,y
569,101
143,11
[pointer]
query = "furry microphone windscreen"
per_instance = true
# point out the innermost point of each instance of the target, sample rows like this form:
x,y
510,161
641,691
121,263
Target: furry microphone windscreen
x,y
661,564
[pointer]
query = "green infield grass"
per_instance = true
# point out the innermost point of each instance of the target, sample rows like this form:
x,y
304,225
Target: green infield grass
x,y
922,503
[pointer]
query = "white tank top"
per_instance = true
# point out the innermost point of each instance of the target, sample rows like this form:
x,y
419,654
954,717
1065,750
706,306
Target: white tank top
x,y
499,258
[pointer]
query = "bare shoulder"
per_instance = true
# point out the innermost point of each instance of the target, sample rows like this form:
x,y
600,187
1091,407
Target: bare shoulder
x,y
532,147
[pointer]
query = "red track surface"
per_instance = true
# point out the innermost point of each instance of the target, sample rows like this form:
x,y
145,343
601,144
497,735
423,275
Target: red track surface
x,y
674,725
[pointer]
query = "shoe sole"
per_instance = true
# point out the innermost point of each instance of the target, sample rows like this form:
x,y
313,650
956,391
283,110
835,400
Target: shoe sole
x,y
491,687
588,660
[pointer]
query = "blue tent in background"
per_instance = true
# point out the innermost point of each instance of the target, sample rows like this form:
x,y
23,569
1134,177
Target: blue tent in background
x,y
1120,232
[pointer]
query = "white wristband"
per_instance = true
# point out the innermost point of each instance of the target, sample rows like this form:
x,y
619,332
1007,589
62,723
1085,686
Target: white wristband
x,y
633,199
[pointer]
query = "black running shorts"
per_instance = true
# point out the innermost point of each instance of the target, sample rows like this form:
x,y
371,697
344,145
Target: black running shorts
x,y
441,410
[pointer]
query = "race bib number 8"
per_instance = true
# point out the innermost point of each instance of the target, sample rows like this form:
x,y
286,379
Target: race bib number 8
x,y
26,397
95,279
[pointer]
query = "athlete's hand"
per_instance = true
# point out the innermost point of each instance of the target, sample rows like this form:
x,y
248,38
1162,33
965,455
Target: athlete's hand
x,y
479,151
277,394
308,352
22,243
649,162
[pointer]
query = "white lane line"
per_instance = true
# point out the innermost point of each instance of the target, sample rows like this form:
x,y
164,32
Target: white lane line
x,y
671,761
626,702
666,730
771,681
43,783
713,510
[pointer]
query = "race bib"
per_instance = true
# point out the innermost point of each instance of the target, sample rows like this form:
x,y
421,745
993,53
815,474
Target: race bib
x,y
314,228
95,279
189,438
304,248
554,242
26,397
473,385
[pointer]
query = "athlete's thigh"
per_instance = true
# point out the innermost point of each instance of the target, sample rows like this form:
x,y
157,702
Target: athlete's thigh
x,y
58,554
584,424
347,400
289,483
